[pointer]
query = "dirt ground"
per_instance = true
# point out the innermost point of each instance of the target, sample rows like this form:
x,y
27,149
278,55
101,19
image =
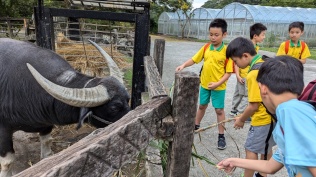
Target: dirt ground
x,y
27,145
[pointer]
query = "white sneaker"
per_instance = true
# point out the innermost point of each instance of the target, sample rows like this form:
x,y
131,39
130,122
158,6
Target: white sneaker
x,y
233,113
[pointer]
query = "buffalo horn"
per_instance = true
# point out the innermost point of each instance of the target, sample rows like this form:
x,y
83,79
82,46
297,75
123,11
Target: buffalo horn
x,y
78,97
114,69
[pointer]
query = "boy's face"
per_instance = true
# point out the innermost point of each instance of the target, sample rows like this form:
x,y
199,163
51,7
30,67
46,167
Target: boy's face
x,y
266,99
260,38
295,34
216,36
243,61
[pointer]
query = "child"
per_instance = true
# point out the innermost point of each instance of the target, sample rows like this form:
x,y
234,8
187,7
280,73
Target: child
x,y
240,99
295,130
295,47
243,52
214,75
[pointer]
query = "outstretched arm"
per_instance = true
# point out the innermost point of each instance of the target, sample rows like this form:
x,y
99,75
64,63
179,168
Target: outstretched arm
x,y
269,167
188,63
312,170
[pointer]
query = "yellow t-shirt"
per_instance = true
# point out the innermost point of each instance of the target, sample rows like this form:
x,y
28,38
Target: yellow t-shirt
x,y
243,72
260,117
294,51
214,65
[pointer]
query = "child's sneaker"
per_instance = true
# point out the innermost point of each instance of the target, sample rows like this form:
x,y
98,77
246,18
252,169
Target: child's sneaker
x,y
221,144
233,113
196,127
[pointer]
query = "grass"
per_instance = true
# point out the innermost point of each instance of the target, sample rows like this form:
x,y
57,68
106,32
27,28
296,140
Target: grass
x,y
128,74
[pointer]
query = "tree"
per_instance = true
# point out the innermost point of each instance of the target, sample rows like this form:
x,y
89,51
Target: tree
x,y
16,8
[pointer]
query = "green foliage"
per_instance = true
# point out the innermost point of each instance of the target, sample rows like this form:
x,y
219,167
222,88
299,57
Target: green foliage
x,y
155,11
311,43
16,8
128,77
270,40
218,4
162,146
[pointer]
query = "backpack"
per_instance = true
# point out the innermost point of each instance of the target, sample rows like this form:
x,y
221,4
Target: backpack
x,y
287,46
308,95
206,46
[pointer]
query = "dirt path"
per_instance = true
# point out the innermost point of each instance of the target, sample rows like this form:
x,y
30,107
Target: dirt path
x,y
177,52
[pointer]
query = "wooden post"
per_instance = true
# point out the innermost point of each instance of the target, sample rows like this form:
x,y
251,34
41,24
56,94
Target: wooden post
x,y
148,46
10,33
185,99
159,51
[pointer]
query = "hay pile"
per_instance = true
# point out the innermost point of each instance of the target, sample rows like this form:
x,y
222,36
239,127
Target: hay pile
x,y
86,58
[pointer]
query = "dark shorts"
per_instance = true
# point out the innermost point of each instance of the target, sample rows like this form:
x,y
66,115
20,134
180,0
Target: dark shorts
x,y
256,139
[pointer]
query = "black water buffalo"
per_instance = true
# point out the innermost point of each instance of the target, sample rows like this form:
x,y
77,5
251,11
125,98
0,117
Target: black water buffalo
x,y
39,89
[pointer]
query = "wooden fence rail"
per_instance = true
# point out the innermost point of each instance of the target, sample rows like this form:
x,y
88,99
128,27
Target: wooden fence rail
x,y
106,150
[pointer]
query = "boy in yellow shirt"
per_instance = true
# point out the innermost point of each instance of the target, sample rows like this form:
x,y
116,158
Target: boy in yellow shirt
x,y
243,53
240,99
214,75
295,47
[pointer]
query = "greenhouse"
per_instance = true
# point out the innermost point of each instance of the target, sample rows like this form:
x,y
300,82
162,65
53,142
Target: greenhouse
x,y
241,16
169,23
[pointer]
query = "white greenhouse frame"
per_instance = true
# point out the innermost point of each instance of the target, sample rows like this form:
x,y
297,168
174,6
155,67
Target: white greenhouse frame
x,y
239,18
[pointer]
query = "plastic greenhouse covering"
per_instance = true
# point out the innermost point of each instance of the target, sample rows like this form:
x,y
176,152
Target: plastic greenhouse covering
x,y
239,18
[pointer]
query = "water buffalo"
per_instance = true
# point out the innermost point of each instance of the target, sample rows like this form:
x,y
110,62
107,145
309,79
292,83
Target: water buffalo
x,y
39,89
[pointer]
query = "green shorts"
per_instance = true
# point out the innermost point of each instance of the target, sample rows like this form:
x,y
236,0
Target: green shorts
x,y
218,97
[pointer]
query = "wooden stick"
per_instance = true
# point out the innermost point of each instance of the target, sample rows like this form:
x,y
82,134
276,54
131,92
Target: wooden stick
x,y
213,125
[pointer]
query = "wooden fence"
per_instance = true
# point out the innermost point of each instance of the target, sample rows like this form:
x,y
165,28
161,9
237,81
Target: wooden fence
x,y
106,150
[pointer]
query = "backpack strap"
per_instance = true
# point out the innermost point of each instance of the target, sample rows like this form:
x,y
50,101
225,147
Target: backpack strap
x,y
206,46
255,67
273,118
287,46
303,47
265,156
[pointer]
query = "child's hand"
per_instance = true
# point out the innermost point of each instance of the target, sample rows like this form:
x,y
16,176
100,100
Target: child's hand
x,y
238,123
240,80
179,68
212,85
226,165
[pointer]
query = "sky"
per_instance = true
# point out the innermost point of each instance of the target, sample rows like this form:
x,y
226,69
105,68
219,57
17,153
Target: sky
x,y
198,3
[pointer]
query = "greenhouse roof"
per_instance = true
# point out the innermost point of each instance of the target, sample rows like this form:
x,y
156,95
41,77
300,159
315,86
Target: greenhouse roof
x,y
172,15
205,13
268,14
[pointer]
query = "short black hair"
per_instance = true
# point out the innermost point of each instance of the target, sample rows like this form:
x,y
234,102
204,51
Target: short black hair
x,y
296,24
282,74
256,29
239,46
219,23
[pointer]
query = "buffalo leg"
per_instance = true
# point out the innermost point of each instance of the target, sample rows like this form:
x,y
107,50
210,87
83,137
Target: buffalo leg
x,y
46,142
6,151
